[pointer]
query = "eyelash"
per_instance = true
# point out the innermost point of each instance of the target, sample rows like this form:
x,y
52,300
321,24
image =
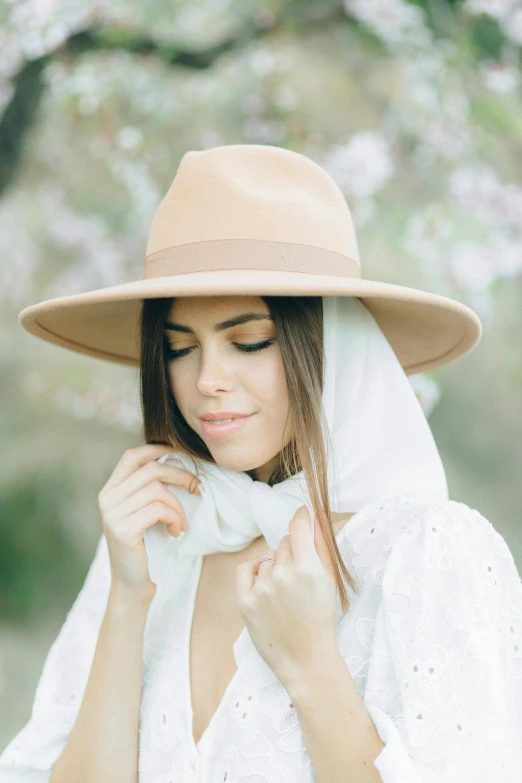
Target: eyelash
x,y
170,353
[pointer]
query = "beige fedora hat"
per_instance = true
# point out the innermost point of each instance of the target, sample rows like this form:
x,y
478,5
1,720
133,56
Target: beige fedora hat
x,y
250,219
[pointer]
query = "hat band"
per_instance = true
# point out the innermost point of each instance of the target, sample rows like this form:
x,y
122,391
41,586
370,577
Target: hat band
x,y
213,255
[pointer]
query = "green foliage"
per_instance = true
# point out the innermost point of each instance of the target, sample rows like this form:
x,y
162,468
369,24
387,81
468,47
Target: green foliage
x,y
39,565
487,38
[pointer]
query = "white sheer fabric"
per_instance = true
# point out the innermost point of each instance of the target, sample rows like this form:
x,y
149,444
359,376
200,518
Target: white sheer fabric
x,y
433,642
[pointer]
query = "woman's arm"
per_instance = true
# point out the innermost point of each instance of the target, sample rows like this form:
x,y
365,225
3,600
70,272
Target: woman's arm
x,y
338,732
103,744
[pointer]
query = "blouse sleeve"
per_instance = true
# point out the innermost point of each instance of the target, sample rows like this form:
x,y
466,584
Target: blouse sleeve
x,y
31,754
451,615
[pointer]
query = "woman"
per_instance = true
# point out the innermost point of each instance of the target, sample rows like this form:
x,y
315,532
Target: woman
x,y
221,644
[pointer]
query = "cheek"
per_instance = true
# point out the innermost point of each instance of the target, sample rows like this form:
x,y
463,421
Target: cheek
x,y
268,384
265,382
179,386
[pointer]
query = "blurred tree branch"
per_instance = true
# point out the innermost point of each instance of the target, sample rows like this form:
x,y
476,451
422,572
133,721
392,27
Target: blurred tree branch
x,y
18,117
28,83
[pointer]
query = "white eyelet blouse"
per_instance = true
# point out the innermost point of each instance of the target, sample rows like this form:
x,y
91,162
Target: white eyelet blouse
x,y
433,642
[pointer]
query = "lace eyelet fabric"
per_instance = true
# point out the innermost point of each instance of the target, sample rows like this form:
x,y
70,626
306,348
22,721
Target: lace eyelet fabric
x,y
432,640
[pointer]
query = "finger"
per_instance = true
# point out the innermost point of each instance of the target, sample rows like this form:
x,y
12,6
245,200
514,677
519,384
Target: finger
x,y
265,567
284,554
301,538
147,474
133,458
134,526
245,578
170,474
156,491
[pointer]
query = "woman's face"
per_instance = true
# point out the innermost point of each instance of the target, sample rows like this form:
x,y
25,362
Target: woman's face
x,y
212,374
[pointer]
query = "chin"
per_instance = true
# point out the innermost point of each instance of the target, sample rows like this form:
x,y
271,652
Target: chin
x,y
235,460
239,464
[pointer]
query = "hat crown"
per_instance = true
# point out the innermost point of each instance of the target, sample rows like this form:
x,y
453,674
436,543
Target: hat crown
x,y
254,220
253,192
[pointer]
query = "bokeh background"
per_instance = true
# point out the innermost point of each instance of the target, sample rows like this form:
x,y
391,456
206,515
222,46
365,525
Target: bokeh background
x,y
413,107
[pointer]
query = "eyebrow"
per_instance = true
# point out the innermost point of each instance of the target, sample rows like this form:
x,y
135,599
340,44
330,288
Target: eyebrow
x,y
238,319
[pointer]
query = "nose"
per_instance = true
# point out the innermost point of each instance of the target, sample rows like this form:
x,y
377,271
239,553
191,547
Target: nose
x,y
213,373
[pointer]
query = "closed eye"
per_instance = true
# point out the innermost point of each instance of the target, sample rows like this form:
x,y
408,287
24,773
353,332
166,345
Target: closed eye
x,y
171,353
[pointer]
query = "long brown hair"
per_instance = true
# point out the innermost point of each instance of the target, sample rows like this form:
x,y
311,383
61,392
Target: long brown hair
x,y
299,324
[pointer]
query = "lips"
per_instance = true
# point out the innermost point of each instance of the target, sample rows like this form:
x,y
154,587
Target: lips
x,y
223,415
213,430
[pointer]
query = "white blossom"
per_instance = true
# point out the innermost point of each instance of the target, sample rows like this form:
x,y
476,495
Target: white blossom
x,y
21,255
505,251
495,8
286,98
446,138
363,211
473,185
431,106
254,103
210,137
476,265
512,26
361,166
263,61
394,21
11,56
143,190
93,399
472,265
191,18
98,260
481,301
260,131
426,234
500,77
478,188
33,28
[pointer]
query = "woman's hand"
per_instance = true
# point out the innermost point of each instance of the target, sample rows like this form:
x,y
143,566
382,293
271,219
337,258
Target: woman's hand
x,y
133,499
290,608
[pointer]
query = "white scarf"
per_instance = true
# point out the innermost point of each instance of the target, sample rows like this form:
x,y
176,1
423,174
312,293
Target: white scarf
x,y
379,442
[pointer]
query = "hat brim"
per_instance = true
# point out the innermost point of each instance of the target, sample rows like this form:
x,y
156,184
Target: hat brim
x,y
425,330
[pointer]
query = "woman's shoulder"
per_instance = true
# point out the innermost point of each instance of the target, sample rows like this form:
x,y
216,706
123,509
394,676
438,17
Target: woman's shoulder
x,y
418,523
383,521
446,523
